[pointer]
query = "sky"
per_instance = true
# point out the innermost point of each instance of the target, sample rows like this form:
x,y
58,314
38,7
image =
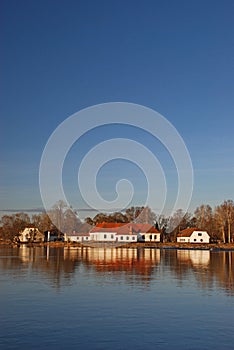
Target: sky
x,y
59,57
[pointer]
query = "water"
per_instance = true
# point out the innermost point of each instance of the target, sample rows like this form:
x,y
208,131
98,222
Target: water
x,y
60,298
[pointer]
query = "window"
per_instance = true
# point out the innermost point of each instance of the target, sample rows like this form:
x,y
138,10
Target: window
x,y
86,238
121,238
201,240
182,240
200,234
104,236
150,237
194,240
155,236
143,236
133,238
112,236
127,238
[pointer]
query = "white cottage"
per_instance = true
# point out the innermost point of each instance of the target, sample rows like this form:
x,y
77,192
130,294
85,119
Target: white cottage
x,y
29,235
193,235
146,233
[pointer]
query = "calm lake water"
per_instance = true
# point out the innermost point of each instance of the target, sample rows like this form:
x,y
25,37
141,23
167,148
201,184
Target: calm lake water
x,y
61,298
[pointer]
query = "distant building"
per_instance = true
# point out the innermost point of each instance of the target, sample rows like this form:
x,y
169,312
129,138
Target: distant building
x,y
77,237
30,235
193,235
116,232
124,232
53,236
146,233
108,232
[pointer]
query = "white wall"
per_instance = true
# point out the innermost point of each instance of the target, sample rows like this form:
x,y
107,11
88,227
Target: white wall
x,y
149,237
199,237
152,237
103,236
74,238
127,238
183,239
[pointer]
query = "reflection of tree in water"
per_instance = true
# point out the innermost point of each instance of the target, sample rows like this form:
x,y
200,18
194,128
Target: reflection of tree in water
x,y
222,270
208,268
46,260
59,270
59,265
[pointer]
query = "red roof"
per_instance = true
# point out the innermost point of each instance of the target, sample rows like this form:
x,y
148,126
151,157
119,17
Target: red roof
x,y
124,228
187,232
103,229
110,224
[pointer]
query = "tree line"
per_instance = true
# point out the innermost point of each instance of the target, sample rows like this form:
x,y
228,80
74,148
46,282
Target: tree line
x,y
218,221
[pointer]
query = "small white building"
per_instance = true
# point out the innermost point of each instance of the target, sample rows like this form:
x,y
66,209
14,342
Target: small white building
x,y
126,234
193,235
146,233
30,234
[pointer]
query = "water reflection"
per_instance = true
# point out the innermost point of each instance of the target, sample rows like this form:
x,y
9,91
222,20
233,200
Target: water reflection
x,y
59,266
200,258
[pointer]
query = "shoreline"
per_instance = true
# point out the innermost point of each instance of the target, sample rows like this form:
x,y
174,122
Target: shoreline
x,y
152,245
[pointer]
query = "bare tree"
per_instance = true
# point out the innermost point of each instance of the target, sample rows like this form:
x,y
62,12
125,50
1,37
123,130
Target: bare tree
x,y
177,222
204,216
162,225
228,212
141,215
71,222
43,222
220,221
11,225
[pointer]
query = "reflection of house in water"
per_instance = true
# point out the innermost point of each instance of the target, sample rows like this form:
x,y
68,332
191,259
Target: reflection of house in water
x,y
59,265
26,255
196,257
132,261
48,261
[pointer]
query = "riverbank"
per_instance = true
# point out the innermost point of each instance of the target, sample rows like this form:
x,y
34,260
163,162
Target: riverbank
x,y
186,246
153,245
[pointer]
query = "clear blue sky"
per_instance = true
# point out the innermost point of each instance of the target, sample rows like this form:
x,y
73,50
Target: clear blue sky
x,y
58,57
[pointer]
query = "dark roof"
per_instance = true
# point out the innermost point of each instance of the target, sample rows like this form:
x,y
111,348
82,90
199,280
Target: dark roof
x,y
188,231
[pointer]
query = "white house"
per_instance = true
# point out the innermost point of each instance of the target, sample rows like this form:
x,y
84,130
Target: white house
x,y
77,237
193,235
30,234
124,232
146,233
105,232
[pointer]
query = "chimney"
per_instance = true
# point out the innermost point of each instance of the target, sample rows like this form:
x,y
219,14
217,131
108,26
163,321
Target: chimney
x,y
130,230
